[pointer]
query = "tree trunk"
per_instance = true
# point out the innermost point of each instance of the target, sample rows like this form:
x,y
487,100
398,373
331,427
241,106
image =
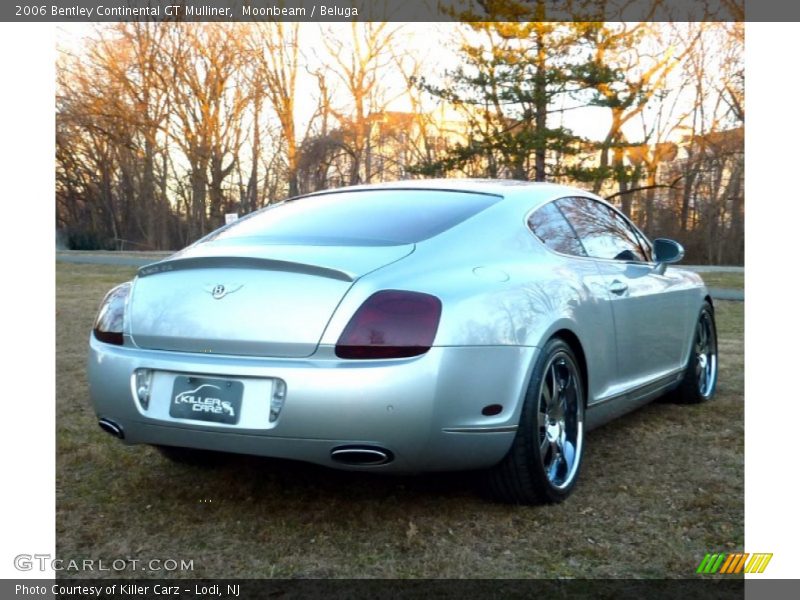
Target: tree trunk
x,y
619,171
734,192
164,207
649,206
540,107
147,197
197,224
250,200
688,180
291,158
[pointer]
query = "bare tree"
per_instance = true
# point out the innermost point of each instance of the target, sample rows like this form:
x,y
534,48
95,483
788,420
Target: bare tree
x,y
360,62
274,47
208,104
123,108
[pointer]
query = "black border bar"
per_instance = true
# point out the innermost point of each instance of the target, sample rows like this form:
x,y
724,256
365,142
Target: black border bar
x,y
65,11
696,588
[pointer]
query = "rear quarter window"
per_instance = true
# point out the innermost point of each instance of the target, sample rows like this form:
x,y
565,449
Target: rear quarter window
x,y
550,226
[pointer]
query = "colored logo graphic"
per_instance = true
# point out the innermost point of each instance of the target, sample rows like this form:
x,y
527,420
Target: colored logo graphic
x,y
731,564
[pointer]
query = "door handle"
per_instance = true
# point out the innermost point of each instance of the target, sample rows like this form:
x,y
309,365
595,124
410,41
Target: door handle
x,y
617,287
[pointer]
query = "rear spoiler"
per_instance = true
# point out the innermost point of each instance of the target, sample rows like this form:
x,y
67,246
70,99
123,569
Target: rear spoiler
x,y
242,262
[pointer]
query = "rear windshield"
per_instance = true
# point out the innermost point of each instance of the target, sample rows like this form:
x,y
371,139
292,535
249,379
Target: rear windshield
x,y
374,218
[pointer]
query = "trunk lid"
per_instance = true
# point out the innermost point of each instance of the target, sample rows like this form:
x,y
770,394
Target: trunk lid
x,y
252,300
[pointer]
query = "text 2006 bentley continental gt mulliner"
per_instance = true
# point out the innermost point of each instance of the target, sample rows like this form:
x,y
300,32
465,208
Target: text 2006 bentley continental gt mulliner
x,y
406,327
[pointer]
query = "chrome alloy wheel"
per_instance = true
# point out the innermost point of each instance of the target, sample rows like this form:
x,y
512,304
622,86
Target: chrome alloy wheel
x,y
560,420
705,349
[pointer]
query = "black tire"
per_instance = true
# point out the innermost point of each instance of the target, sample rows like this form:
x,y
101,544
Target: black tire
x,y
191,456
700,378
523,476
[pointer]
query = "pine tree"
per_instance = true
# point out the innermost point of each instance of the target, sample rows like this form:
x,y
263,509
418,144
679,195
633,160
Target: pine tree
x,y
515,79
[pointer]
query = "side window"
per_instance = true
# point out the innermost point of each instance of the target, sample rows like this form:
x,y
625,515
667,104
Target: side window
x,y
550,226
602,231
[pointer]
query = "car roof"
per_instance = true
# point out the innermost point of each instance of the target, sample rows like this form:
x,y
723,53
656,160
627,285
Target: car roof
x,y
529,191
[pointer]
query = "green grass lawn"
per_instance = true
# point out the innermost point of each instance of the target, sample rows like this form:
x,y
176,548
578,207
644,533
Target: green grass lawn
x,y
724,280
659,489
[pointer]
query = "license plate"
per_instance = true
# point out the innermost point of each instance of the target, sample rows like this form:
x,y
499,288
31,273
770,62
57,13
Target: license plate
x,y
203,399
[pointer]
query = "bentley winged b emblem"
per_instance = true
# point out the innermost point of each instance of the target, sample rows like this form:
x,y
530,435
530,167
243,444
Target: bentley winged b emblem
x,y
221,290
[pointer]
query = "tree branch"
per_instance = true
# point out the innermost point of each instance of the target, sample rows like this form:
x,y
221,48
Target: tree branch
x,y
646,187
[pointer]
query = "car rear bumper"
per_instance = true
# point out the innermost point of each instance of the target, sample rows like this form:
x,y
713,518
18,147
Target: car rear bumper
x,y
425,411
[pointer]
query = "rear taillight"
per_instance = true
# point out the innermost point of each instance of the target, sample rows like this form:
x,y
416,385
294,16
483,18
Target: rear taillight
x,y
108,326
391,324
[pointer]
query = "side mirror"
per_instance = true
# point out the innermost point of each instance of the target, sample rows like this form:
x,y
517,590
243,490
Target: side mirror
x,y
666,252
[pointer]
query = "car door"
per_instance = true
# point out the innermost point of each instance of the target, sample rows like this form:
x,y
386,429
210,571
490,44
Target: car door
x,y
592,313
649,307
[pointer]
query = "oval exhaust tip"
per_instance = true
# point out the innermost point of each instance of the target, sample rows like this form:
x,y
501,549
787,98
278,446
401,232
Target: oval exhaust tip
x,y
111,427
362,456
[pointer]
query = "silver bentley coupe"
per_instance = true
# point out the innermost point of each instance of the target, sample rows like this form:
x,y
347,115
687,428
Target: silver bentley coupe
x,y
406,327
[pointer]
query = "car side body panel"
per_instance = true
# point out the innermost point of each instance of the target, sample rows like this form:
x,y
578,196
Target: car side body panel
x,y
504,294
